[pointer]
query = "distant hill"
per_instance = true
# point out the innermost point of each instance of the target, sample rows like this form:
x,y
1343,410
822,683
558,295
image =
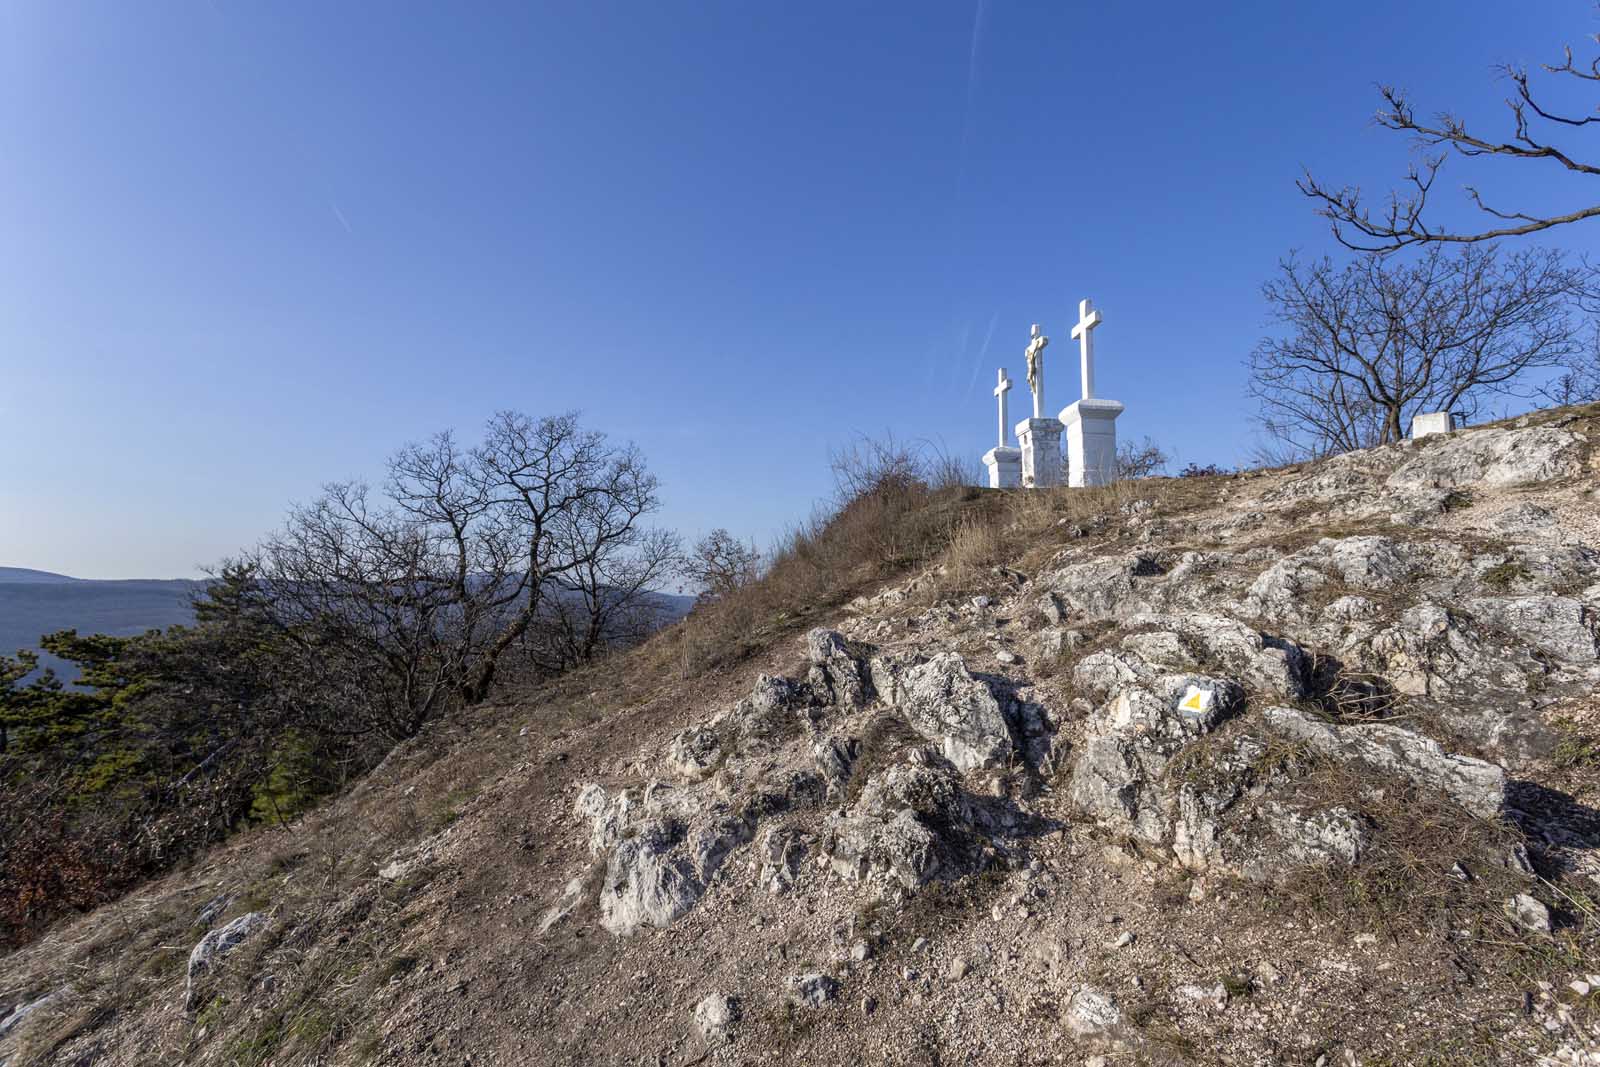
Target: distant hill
x,y
26,574
38,602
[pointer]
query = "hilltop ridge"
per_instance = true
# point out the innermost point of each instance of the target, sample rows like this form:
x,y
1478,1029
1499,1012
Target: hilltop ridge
x,y
1290,766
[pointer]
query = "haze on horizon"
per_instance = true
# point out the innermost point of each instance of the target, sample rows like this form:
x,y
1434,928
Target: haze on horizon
x,y
250,249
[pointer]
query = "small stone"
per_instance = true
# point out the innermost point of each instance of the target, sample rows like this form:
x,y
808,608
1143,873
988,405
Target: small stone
x,y
1268,973
812,990
1528,913
1008,657
1580,987
981,602
919,944
997,913
1124,941
715,1015
1363,940
958,969
860,951
869,1005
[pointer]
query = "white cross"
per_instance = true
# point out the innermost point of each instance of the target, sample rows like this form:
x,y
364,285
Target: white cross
x,y
1088,319
1000,391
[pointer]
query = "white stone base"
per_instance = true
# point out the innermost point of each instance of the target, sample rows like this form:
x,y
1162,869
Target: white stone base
x,y
1005,467
1091,441
1041,452
1431,423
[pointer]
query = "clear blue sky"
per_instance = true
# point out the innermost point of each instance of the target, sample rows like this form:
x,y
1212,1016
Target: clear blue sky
x,y
249,248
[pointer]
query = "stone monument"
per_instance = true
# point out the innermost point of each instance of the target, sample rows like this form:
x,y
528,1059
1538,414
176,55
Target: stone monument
x,y
1040,437
1003,461
1091,423
1431,423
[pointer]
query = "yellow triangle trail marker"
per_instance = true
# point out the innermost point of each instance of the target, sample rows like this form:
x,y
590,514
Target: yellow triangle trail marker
x,y
1197,701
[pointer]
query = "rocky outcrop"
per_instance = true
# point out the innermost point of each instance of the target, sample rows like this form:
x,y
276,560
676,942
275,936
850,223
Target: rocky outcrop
x,y
1475,784
1492,457
944,703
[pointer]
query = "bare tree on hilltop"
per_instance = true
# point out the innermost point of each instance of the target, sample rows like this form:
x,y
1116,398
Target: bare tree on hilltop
x,y
534,540
1534,131
1369,344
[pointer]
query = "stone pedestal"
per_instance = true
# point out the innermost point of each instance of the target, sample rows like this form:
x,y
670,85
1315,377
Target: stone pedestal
x,y
1091,441
1431,423
1005,467
1041,452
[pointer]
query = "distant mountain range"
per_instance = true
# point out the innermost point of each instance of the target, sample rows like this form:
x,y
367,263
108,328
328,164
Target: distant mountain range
x,y
33,603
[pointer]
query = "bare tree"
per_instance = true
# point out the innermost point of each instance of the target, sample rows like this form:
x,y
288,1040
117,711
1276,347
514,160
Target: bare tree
x,y
413,597
1369,344
721,564
1579,383
1141,459
1401,221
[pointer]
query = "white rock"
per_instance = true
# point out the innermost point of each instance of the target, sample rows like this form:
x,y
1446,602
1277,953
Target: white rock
x,y
716,1015
212,948
1528,913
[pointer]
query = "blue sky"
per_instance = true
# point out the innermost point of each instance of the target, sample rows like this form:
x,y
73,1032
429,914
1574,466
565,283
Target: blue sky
x,y
249,248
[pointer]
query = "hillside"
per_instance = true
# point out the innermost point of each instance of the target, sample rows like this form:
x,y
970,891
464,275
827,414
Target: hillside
x,y
1289,767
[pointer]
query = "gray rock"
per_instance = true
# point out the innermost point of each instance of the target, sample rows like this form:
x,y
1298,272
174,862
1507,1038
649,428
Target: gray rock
x,y
1050,607
811,990
1502,456
607,815
694,753
781,849
944,703
1201,641
1092,1013
716,1015
213,949
20,1013
1528,913
839,674
1105,587
662,869
1477,785
1561,626
834,758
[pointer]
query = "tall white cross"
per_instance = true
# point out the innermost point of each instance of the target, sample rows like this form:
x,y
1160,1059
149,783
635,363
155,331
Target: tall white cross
x,y
1000,391
1088,319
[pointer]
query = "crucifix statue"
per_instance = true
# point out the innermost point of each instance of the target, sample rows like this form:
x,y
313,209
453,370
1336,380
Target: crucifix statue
x,y
1088,319
1035,354
1000,392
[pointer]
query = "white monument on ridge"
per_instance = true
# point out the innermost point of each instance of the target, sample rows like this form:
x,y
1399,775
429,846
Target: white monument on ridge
x,y
1003,461
1040,436
1091,422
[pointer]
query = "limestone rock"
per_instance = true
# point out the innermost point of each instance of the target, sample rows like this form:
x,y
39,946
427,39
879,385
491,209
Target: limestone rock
x,y
20,1013
694,753
1201,641
716,1016
1492,457
1561,626
1477,785
1092,1013
780,850
838,669
646,883
213,949
811,990
1529,913
944,703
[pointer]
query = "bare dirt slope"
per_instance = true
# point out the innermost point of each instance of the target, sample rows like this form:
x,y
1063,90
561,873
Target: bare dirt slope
x,y
1291,767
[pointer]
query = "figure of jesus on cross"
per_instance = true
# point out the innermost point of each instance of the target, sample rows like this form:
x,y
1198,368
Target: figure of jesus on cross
x,y
1035,354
